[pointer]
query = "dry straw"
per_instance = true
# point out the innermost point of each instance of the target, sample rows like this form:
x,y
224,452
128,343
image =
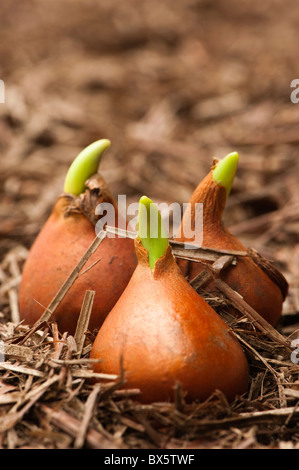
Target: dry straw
x,y
48,400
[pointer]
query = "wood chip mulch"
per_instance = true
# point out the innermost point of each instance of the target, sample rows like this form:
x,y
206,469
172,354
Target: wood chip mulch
x,y
48,398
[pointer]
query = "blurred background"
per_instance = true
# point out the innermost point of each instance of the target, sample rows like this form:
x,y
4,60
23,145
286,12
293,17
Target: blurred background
x,y
172,85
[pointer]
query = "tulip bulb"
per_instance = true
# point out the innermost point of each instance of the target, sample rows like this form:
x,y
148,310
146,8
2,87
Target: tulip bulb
x,y
61,243
162,332
260,284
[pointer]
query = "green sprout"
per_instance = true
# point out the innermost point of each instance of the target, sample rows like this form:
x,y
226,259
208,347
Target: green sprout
x,y
84,166
225,170
151,230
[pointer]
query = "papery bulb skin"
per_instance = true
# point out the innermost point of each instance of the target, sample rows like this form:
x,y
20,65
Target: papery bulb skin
x,y
164,333
246,277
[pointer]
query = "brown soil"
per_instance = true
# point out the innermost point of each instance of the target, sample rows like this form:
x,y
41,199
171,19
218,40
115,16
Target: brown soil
x,y
172,85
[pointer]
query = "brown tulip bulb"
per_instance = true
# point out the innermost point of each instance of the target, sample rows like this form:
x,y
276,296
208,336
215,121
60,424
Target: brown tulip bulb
x,y
67,234
162,332
257,281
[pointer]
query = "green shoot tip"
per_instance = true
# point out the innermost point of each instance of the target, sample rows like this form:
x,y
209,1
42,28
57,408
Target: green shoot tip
x,y
225,171
84,166
151,230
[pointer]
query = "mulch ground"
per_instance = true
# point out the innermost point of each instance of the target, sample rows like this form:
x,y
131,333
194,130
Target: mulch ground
x,y
172,85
